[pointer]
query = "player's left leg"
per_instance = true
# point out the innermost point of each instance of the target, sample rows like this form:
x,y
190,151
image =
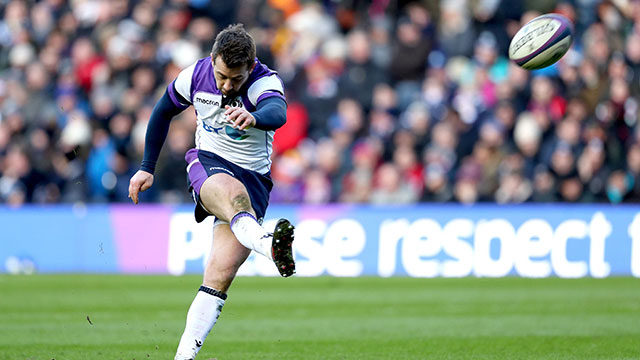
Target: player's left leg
x,y
226,257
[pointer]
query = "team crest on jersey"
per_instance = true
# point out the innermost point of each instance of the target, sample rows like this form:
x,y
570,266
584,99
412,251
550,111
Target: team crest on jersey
x,y
237,102
235,134
210,106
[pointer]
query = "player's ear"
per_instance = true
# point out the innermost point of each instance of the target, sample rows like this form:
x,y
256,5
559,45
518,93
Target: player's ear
x,y
253,66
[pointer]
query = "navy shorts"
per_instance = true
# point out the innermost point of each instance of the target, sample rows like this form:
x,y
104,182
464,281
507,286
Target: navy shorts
x,y
203,164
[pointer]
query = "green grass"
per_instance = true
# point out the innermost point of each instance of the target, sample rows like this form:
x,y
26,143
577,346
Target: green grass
x,y
142,317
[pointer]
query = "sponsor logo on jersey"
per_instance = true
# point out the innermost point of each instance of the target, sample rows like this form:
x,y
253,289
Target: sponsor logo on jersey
x,y
209,128
235,134
207,105
232,133
207,101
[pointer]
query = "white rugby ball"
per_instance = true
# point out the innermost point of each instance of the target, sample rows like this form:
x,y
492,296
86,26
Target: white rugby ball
x,y
541,42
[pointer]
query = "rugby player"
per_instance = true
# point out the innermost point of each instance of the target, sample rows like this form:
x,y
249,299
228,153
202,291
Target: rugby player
x,y
239,103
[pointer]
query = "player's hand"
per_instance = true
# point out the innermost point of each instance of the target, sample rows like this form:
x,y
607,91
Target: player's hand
x,y
239,117
140,181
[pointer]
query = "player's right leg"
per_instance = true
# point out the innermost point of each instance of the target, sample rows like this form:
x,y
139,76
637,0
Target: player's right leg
x,y
226,257
224,196
227,198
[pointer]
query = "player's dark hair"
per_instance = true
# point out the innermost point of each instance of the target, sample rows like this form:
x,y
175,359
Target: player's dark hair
x,y
235,46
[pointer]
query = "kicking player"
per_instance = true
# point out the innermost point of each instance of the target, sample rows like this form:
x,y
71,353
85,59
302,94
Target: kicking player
x,y
239,103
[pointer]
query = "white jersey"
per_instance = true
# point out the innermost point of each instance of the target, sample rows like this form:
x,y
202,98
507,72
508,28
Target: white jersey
x,y
196,85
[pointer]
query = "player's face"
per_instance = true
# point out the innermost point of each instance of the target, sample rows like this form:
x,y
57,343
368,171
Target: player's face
x,y
230,80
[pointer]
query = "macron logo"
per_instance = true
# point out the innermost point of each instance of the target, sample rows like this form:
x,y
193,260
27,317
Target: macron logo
x,y
207,101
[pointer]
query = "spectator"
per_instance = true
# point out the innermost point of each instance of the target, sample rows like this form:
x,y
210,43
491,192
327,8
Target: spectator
x,y
389,187
408,60
436,185
544,185
358,182
361,74
288,178
633,169
467,179
592,170
513,186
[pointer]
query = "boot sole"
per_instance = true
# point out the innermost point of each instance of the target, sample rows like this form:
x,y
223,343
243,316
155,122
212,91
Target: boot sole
x,y
281,248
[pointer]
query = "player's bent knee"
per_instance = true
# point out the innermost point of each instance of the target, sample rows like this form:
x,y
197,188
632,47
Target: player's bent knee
x,y
241,202
224,196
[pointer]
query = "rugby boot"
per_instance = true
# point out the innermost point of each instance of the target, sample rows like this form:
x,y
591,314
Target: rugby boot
x,y
281,249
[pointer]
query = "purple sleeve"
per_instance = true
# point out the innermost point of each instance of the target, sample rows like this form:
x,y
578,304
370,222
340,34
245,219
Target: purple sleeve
x,y
175,97
270,94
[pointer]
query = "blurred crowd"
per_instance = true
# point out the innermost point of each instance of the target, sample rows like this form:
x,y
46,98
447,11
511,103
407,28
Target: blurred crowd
x,y
389,102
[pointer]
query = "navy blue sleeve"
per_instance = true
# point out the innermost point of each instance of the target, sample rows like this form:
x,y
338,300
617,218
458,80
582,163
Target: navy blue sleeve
x,y
157,130
270,114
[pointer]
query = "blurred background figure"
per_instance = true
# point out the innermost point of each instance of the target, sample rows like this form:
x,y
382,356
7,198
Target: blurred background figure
x,y
389,101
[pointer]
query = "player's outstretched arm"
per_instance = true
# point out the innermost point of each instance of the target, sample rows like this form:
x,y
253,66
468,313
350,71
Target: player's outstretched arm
x,y
140,181
157,130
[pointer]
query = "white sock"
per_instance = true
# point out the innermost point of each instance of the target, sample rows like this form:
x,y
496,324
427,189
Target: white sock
x,y
202,315
250,234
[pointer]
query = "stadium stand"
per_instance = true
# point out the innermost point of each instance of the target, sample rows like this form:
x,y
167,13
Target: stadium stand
x,y
389,101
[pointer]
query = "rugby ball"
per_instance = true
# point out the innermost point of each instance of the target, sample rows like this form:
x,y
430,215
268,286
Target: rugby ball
x,y
541,42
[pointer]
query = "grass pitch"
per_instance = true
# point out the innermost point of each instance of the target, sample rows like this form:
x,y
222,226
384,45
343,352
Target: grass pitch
x,y
142,317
